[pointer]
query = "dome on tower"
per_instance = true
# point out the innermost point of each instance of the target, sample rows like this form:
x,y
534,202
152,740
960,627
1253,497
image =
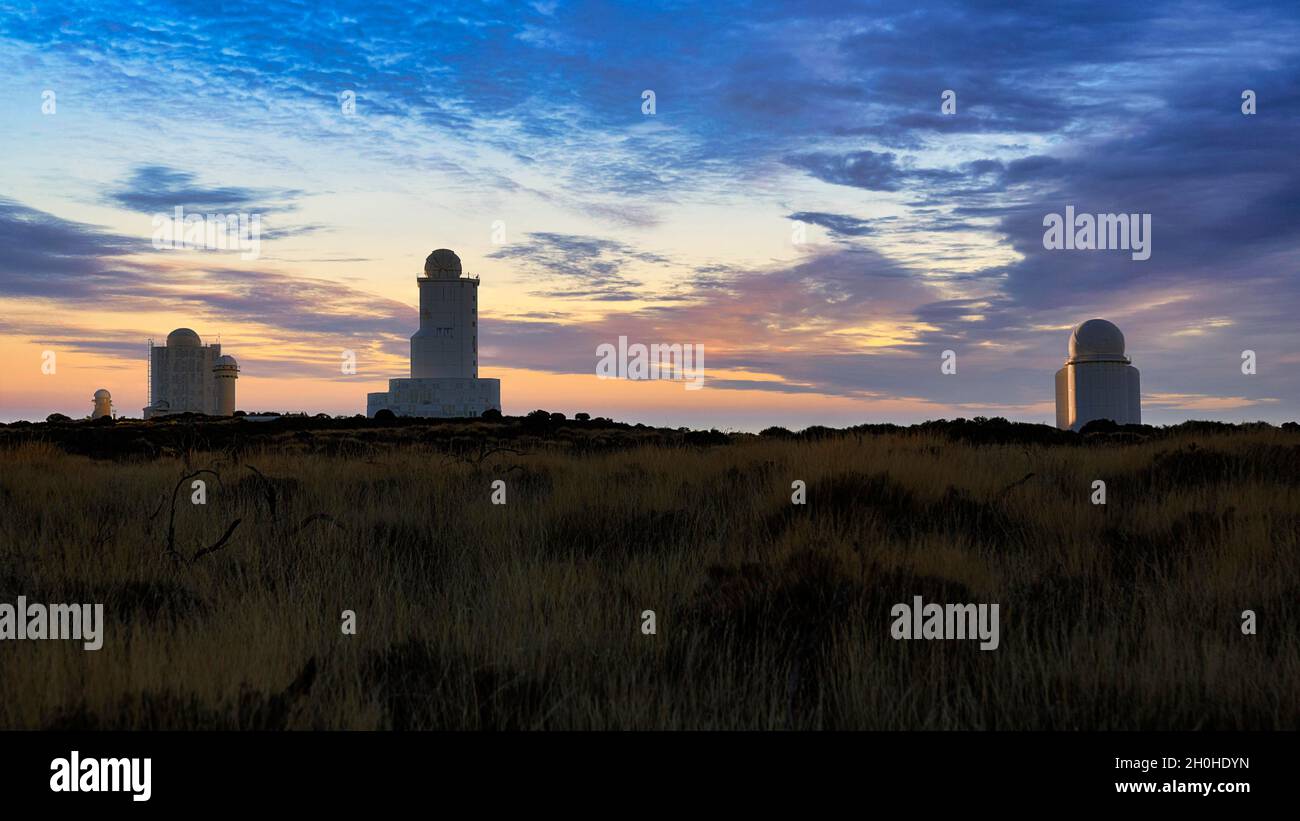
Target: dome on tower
x,y
442,264
103,394
183,338
226,363
1096,340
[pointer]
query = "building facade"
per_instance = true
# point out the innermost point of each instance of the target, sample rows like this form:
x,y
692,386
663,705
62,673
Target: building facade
x,y
186,376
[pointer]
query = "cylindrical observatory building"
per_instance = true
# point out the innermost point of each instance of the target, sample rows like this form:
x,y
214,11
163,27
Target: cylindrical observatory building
x,y
444,351
1098,381
224,373
103,404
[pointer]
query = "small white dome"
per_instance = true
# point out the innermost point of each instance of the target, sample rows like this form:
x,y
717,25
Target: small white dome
x,y
183,338
1096,340
103,393
226,362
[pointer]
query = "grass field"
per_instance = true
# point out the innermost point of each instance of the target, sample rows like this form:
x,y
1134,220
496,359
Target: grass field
x,y
527,615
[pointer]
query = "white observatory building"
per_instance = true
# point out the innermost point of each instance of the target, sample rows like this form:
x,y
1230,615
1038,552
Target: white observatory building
x,y
103,404
1097,382
186,376
444,351
224,374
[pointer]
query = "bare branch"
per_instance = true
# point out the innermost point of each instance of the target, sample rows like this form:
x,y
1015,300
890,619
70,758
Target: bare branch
x,y
220,543
171,522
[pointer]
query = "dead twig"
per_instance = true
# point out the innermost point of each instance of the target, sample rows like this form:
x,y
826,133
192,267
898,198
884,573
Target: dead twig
x,y
1014,485
484,452
268,488
104,532
171,550
162,500
315,517
220,543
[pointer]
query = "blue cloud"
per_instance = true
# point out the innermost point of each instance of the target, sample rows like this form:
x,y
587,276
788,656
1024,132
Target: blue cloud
x,y
579,267
840,225
151,189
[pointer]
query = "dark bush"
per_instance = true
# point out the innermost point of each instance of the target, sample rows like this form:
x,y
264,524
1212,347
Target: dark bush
x,y
704,438
818,432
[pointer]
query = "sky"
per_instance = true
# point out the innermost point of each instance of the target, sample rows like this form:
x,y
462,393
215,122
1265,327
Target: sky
x,y
797,201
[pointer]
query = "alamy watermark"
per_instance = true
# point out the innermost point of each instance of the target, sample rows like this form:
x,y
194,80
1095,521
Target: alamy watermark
x,y
945,621
639,362
128,775
65,622
209,232
1102,232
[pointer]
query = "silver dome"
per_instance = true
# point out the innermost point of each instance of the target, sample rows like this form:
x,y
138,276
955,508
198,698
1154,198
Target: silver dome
x,y
1097,340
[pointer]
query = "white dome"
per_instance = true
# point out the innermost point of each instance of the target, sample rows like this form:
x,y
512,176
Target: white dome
x,y
442,264
227,362
1096,340
103,394
183,338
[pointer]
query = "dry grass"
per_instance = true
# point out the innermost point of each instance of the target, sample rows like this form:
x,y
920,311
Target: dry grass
x,y
770,615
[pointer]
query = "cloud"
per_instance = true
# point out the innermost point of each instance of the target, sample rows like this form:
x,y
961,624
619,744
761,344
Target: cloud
x,y
833,322
839,225
1201,402
48,256
579,267
874,171
87,268
151,189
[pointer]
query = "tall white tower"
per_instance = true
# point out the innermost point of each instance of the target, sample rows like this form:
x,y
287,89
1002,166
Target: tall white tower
x,y
447,343
225,372
103,404
1097,381
444,352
